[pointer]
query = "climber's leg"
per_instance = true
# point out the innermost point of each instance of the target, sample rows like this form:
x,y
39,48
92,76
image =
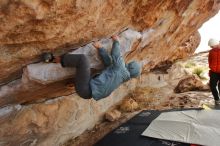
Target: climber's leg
x,y
82,77
214,78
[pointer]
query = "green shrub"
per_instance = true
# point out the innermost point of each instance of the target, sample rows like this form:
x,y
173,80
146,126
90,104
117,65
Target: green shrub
x,y
190,64
198,71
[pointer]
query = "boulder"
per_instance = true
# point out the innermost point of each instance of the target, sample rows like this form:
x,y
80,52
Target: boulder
x,y
29,28
190,83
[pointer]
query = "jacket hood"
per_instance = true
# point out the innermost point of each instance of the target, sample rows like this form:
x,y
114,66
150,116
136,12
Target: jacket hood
x,y
134,69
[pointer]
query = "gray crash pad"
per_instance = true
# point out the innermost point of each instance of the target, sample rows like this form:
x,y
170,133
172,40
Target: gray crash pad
x,y
194,126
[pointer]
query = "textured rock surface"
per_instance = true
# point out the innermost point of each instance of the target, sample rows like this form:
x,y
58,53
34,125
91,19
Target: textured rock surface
x,y
55,121
47,80
29,28
190,83
159,31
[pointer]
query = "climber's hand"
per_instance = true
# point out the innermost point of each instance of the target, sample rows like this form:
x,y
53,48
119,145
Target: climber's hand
x,y
97,45
114,38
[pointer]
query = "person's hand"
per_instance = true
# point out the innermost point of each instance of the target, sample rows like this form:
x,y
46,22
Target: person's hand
x,y
115,37
97,45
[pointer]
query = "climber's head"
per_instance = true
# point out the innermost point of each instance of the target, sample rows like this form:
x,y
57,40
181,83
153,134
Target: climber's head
x,y
47,57
213,43
134,69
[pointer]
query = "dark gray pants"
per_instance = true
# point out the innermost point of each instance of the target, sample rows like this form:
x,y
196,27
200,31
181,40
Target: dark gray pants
x,y
214,84
82,77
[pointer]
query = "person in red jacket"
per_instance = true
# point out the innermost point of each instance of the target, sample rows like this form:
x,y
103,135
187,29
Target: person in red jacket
x,y
214,72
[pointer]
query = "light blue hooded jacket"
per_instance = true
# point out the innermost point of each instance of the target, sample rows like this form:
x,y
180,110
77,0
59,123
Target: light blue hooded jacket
x,y
114,74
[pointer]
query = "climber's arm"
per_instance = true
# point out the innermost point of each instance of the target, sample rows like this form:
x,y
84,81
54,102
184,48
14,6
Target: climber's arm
x,y
116,53
117,58
103,54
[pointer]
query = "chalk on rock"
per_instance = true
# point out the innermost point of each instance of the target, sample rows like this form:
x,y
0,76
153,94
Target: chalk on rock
x,y
147,37
127,39
9,109
46,73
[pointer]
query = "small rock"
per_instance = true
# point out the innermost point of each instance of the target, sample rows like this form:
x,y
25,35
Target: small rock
x,y
113,115
129,105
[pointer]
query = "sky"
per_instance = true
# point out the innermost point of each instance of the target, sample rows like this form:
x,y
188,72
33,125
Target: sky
x,y
210,29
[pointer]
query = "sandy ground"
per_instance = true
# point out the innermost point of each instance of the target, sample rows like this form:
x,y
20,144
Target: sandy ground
x,y
185,100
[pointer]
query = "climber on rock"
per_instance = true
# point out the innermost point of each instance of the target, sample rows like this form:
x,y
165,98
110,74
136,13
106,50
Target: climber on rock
x,y
115,73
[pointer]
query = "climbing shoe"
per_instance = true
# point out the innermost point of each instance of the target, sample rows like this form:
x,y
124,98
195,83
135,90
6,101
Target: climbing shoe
x,y
47,57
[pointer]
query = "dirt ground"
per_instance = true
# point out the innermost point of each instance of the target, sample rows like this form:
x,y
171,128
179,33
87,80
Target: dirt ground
x,y
186,100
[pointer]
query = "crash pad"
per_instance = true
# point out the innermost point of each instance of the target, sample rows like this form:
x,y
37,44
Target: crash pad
x,y
192,126
129,133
